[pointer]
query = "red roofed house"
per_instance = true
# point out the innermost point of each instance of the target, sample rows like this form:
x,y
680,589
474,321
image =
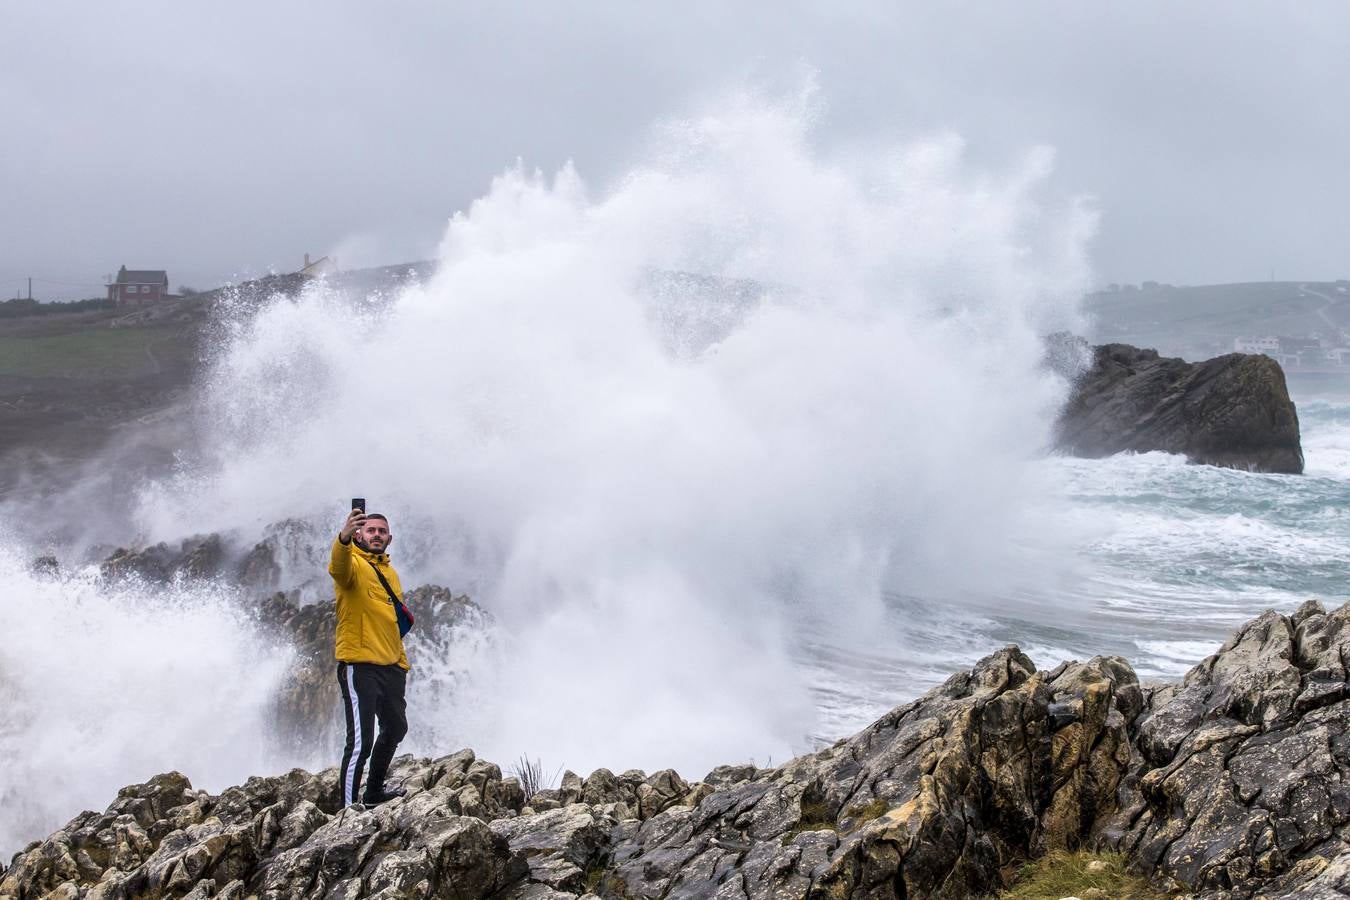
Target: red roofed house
x,y
136,286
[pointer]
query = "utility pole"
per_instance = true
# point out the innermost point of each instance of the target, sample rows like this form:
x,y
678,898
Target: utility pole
x,y
30,287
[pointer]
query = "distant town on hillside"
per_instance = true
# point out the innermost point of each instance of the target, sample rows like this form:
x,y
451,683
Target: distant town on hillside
x,y
1303,325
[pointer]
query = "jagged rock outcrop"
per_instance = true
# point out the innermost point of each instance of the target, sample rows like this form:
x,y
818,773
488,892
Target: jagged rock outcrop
x,y
1242,784
209,556
933,800
290,543
308,703
1232,784
1232,411
197,557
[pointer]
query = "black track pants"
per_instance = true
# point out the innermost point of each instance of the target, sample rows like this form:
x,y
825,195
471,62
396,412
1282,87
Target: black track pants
x,y
370,692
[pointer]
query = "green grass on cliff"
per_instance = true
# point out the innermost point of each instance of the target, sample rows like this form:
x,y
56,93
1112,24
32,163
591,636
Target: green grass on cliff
x,y
96,352
1084,875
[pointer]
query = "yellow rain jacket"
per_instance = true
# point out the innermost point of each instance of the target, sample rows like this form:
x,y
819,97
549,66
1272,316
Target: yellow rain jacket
x,y
367,626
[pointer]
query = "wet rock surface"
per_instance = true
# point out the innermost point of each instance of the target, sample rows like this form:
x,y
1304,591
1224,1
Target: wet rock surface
x,y
1232,411
1242,785
1230,784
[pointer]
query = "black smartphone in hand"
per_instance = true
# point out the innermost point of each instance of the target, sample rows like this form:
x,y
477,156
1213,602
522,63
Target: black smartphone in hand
x,y
359,503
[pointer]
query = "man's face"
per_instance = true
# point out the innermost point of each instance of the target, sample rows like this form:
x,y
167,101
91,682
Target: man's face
x,y
375,535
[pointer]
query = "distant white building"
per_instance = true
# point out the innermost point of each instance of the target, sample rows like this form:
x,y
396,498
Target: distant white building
x,y
324,265
1267,345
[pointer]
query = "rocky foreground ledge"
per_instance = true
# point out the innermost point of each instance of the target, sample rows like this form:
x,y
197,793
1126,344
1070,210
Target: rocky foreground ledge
x,y
1233,783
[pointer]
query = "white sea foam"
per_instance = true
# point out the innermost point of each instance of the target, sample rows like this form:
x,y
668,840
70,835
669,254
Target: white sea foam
x,y
1326,452
1171,659
103,685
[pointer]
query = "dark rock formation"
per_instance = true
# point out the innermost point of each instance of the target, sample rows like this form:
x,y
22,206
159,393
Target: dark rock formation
x,y
1230,411
197,558
1234,783
290,543
308,705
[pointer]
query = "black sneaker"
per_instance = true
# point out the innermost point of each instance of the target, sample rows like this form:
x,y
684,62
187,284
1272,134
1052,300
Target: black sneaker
x,y
373,796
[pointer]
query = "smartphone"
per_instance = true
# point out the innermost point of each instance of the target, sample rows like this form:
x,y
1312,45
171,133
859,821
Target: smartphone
x,y
359,503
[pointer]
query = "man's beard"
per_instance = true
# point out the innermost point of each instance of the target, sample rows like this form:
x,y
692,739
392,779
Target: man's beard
x,y
366,547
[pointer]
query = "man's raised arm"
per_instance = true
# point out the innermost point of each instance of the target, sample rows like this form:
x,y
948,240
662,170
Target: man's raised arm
x,y
340,562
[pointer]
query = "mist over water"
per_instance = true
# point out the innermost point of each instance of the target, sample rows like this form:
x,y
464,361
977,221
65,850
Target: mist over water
x,y
685,436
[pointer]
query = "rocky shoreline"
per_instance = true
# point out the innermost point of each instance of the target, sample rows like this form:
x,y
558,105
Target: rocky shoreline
x,y
1233,783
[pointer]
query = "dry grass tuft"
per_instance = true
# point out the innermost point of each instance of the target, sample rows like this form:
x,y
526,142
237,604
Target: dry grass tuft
x,y
1085,875
530,774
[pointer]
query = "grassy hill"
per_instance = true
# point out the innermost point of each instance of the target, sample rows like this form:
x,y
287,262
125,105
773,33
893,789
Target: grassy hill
x,y
59,351
69,381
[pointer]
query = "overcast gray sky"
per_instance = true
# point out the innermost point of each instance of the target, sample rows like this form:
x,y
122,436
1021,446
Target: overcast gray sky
x,y
222,140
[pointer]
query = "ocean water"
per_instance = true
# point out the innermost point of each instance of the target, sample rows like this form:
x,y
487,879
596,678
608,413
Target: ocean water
x,y
1170,559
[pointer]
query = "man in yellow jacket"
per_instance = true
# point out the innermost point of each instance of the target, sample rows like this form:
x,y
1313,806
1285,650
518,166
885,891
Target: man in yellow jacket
x,y
372,667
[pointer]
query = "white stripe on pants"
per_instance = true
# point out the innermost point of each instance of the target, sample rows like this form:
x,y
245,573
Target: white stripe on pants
x,y
354,764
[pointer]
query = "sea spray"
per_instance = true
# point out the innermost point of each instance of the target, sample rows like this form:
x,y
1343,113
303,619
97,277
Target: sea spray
x,y
677,435
656,529
659,523
103,684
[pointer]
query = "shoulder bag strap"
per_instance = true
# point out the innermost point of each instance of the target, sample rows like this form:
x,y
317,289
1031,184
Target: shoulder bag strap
x,y
405,617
